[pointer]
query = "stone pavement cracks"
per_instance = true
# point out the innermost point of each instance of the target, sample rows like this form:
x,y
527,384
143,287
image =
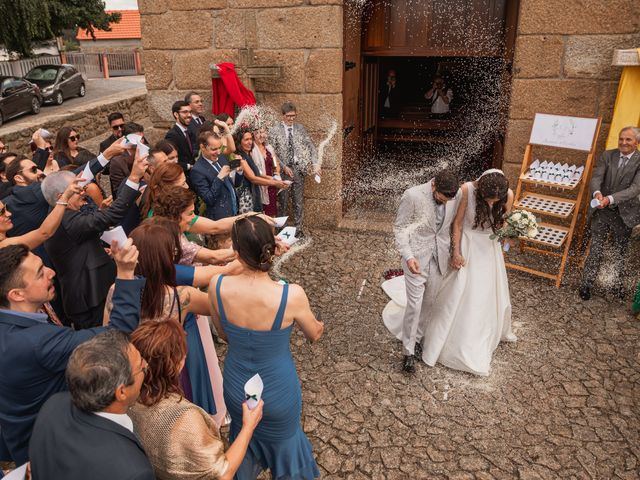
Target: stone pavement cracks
x,y
562,402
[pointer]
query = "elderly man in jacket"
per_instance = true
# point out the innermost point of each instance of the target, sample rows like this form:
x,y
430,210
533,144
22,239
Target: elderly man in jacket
x,y
84,269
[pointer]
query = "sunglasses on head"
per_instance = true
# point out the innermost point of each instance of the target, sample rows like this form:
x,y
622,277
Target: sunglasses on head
x,y
118,127
32,169
73,138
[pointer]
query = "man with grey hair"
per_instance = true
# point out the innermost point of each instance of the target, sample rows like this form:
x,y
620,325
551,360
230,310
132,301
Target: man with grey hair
x,y
84,269
615,185
89,424
298,156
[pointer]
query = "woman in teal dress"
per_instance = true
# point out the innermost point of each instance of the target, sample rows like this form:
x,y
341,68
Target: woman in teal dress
x,y
258,328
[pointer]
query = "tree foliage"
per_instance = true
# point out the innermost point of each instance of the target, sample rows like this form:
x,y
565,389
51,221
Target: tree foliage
x,y
25,22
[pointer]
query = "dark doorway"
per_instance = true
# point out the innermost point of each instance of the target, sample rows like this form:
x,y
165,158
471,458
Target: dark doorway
x,y
392,143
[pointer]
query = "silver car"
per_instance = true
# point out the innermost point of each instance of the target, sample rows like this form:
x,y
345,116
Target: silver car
x,y
57,82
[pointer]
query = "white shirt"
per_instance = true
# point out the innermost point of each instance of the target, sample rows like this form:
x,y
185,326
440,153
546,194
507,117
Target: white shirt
x,y
439,106
121,419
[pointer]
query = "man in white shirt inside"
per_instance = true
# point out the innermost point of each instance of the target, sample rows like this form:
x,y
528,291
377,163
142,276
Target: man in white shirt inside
x,y
439,96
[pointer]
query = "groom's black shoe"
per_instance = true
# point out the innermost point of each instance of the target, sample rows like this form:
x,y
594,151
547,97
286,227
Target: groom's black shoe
x,y
585,292
409,364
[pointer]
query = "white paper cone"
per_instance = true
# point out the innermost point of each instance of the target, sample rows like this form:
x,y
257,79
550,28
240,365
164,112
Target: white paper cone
x,y
280,221
253,391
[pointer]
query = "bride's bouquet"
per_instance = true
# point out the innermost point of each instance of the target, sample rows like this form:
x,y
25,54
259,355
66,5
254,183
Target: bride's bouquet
x,y
518,223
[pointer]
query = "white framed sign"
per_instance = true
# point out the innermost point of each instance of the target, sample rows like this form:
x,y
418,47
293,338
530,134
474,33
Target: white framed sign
x,y
575,133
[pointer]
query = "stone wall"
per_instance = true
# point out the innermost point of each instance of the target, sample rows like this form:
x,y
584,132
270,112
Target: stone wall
x,y
563,66
302,36
89,122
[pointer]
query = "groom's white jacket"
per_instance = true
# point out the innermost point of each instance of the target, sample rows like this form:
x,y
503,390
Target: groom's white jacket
x,y
415,227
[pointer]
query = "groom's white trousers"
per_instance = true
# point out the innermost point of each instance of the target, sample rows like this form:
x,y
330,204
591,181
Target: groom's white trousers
x,y
422,290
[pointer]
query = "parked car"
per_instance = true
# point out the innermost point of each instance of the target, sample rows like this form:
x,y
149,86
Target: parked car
x,y
57,82
18,96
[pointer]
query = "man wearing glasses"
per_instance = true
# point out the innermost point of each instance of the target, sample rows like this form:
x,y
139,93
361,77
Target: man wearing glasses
x,y
180,136
298,157
116,122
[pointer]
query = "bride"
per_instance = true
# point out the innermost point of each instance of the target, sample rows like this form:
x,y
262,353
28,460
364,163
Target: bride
x,y
472,312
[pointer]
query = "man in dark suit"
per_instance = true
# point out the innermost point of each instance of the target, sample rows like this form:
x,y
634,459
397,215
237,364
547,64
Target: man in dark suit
x,y
389,96
116,122
86,432
616,186
180,136
120,165
84,269
214,180
197,118
33,352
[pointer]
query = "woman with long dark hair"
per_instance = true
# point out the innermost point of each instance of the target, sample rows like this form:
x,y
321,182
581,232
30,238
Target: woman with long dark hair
x,y
67,149
250,193
258,332
472,313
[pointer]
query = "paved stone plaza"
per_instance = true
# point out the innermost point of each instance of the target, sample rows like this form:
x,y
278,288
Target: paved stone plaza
x,y
562,402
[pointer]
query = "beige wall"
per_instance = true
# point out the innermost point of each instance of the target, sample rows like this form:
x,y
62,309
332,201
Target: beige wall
x,y
563,66
181,38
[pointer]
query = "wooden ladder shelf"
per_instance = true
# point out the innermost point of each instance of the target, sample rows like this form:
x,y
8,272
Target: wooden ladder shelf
x,y
563,213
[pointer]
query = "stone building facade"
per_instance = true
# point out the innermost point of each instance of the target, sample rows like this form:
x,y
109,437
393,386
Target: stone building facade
x,y
562,64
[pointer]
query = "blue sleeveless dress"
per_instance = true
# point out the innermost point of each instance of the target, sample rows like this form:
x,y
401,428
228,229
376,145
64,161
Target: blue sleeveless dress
x,y
278,442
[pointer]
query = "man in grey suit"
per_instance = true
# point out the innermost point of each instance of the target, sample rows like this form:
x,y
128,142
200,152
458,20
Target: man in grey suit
x,y
615,185
423,238
298,156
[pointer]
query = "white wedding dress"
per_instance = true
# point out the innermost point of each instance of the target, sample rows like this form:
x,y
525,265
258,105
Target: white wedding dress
x,y
472,311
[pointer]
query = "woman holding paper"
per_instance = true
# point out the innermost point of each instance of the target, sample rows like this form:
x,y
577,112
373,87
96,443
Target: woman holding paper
x,y
250,193
258,332
179,438
265,157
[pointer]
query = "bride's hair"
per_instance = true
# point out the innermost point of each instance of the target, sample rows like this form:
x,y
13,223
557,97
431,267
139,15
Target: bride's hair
x,y
492,185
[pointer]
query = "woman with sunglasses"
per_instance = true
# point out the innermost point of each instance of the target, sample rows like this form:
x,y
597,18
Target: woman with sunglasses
x,y
67,149
35,238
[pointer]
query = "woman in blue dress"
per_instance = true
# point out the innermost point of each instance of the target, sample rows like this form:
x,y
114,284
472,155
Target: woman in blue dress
x,y
258,333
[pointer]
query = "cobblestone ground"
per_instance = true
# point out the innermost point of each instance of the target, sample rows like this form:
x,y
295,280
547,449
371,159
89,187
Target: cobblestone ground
x,y
562,402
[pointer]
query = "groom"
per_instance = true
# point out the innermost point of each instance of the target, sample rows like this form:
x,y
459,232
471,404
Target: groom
x,y
423,238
